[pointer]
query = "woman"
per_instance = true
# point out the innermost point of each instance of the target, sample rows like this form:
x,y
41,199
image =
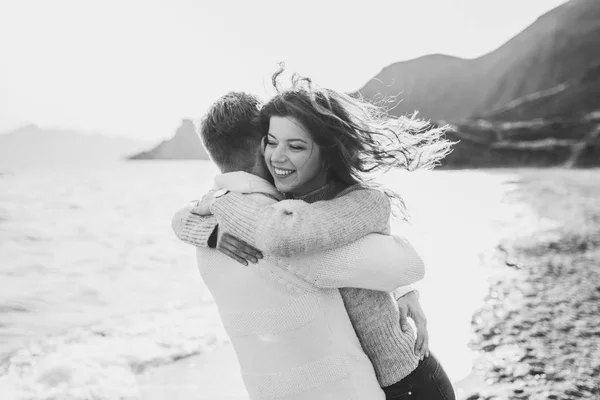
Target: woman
x,y
320,144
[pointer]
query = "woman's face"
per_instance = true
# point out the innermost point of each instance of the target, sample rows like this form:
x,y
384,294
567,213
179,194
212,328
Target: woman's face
x,y
293,158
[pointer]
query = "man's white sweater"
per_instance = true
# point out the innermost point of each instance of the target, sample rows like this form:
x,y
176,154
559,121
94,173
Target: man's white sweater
x,y
285,317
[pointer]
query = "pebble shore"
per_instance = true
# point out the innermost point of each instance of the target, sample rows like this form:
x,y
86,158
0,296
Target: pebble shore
x,y
538,332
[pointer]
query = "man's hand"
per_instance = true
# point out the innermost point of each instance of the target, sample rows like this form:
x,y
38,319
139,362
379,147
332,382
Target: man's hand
x,y
237,249
202,207
409,306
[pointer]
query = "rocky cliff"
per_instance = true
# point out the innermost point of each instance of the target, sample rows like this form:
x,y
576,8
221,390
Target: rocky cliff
x,y
184,145
570,142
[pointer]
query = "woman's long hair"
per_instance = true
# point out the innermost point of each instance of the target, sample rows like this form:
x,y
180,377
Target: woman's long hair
x,y
356,138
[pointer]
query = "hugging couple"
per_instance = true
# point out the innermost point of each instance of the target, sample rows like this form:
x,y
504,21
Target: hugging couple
x,y
294,244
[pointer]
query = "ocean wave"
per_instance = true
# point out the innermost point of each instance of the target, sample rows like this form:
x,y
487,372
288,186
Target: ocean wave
x,y
100,361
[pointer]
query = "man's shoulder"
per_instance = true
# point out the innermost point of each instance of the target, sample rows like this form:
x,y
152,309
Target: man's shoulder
x,y
245,183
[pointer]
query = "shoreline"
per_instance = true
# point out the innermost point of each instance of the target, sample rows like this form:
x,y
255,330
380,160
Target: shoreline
x,y
538,331
211,375
215,376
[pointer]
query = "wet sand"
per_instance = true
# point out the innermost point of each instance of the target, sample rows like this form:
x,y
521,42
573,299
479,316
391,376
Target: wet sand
x,y
213,375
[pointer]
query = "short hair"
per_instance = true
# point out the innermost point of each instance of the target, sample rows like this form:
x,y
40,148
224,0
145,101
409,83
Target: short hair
x,y
230,131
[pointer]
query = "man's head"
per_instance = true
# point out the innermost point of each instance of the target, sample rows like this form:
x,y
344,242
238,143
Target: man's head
x,y
230,132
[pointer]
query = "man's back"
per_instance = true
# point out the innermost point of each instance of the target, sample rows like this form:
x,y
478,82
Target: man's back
x,y
292,339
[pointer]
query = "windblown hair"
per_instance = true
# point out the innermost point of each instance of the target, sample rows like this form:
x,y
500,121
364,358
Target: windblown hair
x,y
357,138
230,131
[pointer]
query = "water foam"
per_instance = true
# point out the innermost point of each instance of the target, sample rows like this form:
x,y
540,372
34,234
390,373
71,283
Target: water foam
x,y
100,361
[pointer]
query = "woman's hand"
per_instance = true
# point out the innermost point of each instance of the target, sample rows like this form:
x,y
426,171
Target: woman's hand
x,y
237,249
202,207
409,306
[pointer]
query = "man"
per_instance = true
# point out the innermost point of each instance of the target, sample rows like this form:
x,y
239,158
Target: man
x,y
286,320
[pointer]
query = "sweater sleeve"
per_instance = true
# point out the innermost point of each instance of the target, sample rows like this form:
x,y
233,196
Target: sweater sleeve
x,y
293,227
403,291
377,262
192,228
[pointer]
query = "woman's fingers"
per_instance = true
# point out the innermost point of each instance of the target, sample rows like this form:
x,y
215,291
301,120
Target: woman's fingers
x,y
238,249
422,343
403,318
243,249
227,250
418,345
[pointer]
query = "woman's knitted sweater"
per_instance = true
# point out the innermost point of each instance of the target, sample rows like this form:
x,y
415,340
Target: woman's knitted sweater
x,y
390,365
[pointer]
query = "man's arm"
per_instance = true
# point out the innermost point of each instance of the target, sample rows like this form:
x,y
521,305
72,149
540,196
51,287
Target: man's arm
x,y
293,227
377,262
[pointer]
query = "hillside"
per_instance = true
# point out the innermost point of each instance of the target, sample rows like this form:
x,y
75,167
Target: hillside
x,y
571,142
574,98
184,145
558,47
31,145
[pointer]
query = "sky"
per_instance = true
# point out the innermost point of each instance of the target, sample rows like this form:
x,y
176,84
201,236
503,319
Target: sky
x,y
137,67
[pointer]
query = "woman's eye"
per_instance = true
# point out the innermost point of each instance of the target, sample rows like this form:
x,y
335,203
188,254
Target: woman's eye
x,y
296,148
271,143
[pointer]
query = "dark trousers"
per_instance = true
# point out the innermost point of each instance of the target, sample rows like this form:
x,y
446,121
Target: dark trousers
x,y
428,382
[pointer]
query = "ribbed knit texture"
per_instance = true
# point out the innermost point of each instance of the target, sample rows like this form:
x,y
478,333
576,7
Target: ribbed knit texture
x,y
375,318
289,229
374,314
193,228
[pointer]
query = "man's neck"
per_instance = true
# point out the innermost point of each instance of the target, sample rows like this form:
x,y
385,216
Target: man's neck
x,y
259,168
245,182
260,172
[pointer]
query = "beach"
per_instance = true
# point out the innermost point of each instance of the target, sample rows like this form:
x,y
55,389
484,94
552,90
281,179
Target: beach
x,y
538,331
214,375
100,300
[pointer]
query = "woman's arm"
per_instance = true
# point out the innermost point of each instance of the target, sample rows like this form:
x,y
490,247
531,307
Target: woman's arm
x,y
194,229
293,227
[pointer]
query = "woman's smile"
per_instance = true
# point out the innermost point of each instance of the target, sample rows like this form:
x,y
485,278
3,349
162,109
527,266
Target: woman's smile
x,y
282,172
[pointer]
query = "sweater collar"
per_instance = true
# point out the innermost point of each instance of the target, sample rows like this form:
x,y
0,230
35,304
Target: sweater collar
x,y
327,192
244,182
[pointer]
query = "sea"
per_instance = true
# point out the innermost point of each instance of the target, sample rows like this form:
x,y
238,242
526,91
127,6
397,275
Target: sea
x,y
95,288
